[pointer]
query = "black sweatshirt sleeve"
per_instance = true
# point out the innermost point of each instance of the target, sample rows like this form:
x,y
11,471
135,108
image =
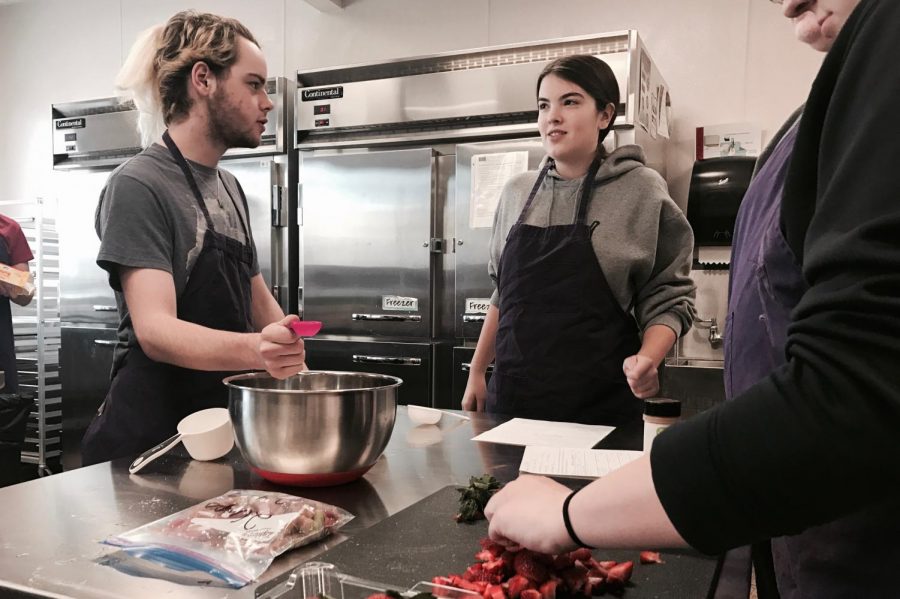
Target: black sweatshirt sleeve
x,y
820,437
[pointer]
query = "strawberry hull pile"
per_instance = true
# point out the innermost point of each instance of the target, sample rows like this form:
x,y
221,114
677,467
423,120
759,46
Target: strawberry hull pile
x,y
512,573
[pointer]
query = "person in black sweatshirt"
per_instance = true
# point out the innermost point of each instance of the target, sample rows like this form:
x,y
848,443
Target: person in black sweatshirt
x,y
817,439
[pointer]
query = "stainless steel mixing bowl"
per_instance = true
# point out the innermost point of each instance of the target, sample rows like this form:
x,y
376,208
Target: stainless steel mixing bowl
x,y
316,428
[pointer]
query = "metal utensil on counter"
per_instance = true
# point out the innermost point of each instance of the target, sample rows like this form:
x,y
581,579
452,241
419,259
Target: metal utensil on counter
x,y
305,328
207,435
318,428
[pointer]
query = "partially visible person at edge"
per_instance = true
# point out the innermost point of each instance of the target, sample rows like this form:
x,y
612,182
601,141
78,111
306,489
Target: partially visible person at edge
x,y
14,252
591,261
175,239
760,306
810,449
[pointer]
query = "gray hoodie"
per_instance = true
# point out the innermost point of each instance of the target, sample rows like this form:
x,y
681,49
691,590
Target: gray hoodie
x,y
643,242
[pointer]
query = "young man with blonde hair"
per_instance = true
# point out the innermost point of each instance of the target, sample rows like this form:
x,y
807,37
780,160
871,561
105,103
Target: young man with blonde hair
x,y
175,238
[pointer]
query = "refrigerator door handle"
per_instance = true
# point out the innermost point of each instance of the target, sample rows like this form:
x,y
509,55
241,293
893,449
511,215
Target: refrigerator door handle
x,y
467,366
279,218
388,317
474,318
106,342
102,308
299,204
394,360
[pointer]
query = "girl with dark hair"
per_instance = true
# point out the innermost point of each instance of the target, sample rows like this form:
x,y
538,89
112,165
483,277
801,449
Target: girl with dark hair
x,y
591,261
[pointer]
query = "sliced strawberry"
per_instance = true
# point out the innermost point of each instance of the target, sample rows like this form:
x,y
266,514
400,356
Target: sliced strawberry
x,y
548,589
528,565
530,594
582,554
595,569
494,565
442,580
494,591
607,564
651,557
620,573
516,585
461,583
484,556
495,548
476,572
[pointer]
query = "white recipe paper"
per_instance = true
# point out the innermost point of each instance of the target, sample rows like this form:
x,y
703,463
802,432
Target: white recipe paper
x,y
521,431
490,172
574,463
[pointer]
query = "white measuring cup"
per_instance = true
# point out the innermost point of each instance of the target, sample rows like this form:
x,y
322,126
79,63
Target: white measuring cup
x,y
207,435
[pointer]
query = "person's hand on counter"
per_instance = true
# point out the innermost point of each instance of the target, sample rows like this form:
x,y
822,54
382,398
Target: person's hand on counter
x,y
528,512
475,394
618,511
283,353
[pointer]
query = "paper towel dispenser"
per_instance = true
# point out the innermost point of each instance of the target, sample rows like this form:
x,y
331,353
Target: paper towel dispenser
x,y
717,188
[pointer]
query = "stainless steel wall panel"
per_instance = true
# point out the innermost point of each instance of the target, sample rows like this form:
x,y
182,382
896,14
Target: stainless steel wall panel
x,y
445,259
96,133
411,362
367,224
473,244
85,294
449,95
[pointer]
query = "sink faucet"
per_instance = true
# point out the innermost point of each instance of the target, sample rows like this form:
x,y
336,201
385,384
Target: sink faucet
x,y
715,337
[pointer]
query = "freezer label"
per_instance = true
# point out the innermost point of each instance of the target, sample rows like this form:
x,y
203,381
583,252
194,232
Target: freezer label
x,y
477,305
397,302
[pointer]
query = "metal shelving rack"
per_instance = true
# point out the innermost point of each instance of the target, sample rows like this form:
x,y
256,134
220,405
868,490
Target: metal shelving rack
x,y
36,328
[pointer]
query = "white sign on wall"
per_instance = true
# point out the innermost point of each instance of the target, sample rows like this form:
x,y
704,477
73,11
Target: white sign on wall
x,y
490,172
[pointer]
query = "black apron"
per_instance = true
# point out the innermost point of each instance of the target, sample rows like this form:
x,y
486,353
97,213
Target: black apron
x,y
147,399
562,335
7,339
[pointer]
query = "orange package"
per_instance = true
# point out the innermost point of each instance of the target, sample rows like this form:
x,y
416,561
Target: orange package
x,y
17,282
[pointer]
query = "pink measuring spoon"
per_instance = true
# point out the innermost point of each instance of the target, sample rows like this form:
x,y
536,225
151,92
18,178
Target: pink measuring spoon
x,y
305,328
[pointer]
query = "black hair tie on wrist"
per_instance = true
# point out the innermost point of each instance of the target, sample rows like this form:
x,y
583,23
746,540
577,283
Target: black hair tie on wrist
x,y
568,522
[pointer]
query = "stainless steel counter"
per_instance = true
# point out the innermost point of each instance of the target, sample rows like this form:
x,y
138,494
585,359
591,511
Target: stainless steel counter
x,y
52,527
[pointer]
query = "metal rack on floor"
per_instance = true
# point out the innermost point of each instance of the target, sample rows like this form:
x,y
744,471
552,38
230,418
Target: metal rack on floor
x,y
36,328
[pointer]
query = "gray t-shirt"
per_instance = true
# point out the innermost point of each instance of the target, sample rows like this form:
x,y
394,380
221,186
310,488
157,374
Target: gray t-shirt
x,y
148,217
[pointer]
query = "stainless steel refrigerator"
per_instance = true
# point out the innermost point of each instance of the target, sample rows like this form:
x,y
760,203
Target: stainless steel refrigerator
x,y
401,165
91,138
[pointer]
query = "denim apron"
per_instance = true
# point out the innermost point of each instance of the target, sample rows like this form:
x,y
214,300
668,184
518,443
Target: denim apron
x,y
846,557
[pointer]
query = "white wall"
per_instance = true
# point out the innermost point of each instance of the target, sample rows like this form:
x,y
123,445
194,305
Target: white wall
x,y
725,60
